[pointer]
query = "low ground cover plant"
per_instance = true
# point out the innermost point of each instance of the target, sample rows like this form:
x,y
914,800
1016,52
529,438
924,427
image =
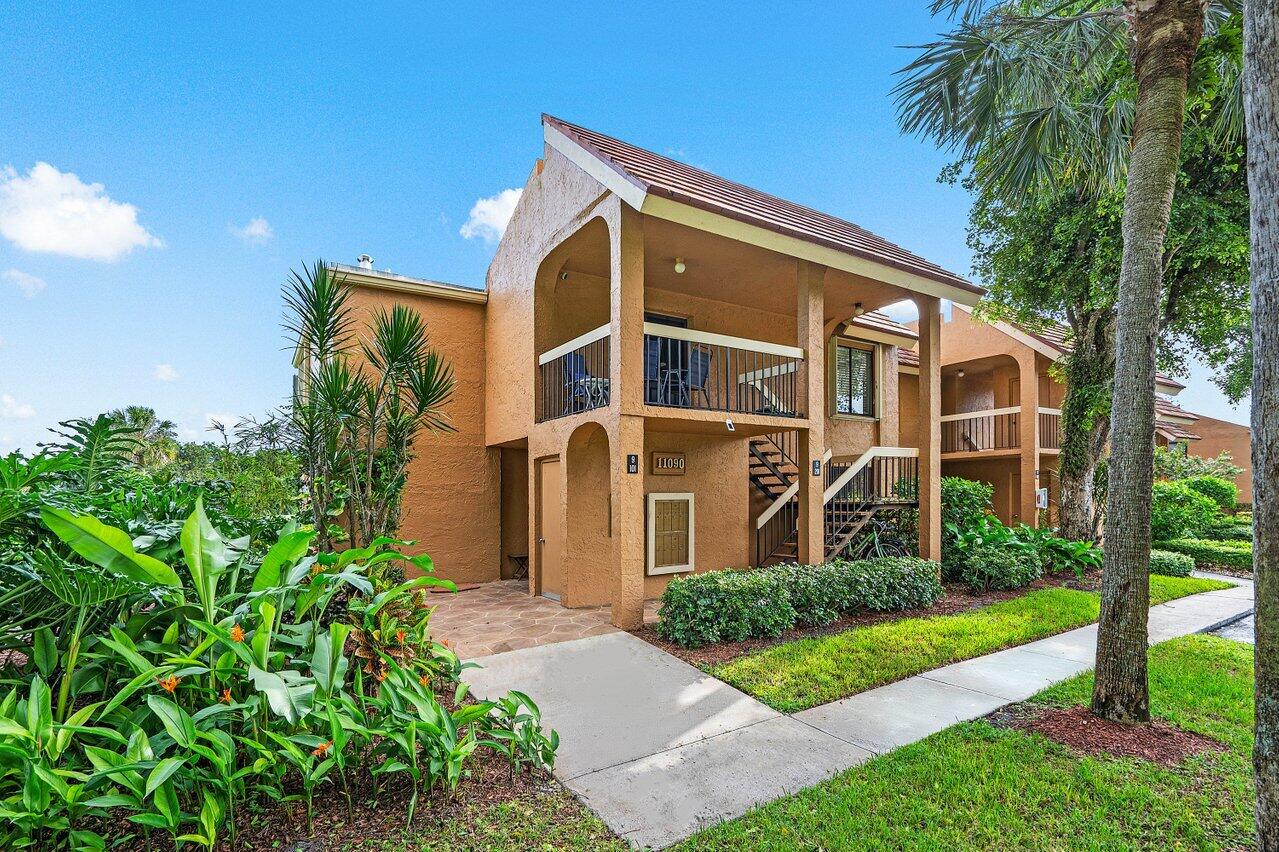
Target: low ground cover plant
x,y
1171,564
1231,553
730,606
166,698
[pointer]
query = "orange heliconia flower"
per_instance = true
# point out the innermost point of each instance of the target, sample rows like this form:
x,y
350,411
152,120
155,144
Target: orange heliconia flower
x,y
381,675
322,749
422,679
444,642
399,636
170,683
226,696
237,633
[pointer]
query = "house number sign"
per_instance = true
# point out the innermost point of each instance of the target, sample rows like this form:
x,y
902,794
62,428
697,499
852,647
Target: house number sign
x,y
668,464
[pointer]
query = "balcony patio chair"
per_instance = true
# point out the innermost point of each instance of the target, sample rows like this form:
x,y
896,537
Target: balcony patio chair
x,y
690,380
580,384
653,381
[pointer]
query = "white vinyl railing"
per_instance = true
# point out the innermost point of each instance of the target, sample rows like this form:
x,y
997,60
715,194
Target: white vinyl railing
x,y
865,459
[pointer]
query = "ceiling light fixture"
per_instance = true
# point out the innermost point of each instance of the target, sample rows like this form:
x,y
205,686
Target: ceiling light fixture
x,y
679,266
858,310
960,373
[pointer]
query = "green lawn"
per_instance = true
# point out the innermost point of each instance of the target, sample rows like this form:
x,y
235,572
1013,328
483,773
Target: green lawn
x,y
976,786
797,675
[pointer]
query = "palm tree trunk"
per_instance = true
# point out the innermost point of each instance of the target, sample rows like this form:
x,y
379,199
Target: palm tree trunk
x,y
1261,107
1166,34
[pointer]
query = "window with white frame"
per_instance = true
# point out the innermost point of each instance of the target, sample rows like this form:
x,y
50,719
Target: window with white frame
x,y
854,379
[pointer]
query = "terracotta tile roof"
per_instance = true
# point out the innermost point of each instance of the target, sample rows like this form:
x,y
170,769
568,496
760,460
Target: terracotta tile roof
x,y
877,321
1058,337
1173,432
1170,409
907,358
660,175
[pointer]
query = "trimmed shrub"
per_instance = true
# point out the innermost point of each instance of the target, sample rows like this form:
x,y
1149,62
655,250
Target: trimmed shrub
x,y
818,593
720,606
729,606
893,582
1223,492
1171,564
1177,510
993,567
1228,532
1207,553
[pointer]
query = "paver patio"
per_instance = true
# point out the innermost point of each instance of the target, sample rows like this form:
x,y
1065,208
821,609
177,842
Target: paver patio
x,y
503,616
660,750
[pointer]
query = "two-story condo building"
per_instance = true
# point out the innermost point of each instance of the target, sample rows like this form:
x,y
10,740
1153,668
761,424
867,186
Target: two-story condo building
x,y
671,372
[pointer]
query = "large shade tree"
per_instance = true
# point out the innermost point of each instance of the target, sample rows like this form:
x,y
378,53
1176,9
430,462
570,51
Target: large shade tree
x,y
1054,260
1027,91
1261,47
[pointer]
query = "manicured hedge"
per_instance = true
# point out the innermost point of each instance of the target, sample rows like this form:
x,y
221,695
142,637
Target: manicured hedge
x,y
729,606
1171,564
1209,552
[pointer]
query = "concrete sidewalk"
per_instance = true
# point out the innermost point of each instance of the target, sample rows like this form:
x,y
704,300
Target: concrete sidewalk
x,y
660,750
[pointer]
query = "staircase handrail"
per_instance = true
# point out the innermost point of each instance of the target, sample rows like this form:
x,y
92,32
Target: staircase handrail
x,y
784,498
865,459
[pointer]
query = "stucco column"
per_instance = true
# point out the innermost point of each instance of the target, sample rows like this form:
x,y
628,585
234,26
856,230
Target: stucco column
x,y
1028,436
810,313
929,427
626,314
889,404
628,523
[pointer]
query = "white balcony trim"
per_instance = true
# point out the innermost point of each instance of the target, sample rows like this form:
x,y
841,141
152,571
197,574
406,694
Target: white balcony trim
x,y
866,458
973,415
712,339
576,343
784,497
1056,411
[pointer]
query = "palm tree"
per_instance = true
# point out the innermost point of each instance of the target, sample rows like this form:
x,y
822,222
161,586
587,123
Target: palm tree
x,y
156,439
1028,92
358,405
1261,50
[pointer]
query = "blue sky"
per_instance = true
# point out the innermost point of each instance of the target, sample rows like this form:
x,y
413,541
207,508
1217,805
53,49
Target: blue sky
x,y
213,150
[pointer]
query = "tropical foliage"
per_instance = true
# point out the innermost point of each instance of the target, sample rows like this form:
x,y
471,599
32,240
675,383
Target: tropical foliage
x,y
164,697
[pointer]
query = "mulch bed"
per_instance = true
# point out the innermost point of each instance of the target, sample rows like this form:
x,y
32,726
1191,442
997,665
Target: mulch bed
x,y
376,816
1078,729
956,598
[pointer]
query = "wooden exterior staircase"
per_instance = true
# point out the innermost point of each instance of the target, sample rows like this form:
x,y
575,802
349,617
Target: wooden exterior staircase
x,y
883,479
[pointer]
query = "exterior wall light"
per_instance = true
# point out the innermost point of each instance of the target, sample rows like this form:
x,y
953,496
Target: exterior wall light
x,y
679,266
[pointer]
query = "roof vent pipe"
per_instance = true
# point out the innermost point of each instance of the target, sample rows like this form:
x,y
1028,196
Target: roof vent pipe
x,y
364,261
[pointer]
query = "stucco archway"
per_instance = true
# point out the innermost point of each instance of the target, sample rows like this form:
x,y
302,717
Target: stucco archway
x,y
588,551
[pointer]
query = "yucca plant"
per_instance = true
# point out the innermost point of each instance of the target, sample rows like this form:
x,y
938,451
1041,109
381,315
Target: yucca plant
x,y
359,403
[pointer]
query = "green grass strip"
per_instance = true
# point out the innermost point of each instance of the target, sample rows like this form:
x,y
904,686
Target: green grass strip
x,y
976,786
807,672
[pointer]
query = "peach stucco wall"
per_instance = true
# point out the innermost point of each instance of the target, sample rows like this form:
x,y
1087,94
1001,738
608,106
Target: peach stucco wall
x,y
1218,435
451,500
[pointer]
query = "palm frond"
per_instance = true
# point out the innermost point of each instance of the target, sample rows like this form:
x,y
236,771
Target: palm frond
x,y
318,317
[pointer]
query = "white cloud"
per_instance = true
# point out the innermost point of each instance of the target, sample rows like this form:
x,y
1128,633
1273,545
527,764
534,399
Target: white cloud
x,y
489,216
55,212
28,284
257,231
11,409
165,373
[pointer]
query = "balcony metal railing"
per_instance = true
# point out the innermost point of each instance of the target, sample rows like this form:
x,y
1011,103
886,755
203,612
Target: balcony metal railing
x,y
574,376
1050,429
978,431
684,368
